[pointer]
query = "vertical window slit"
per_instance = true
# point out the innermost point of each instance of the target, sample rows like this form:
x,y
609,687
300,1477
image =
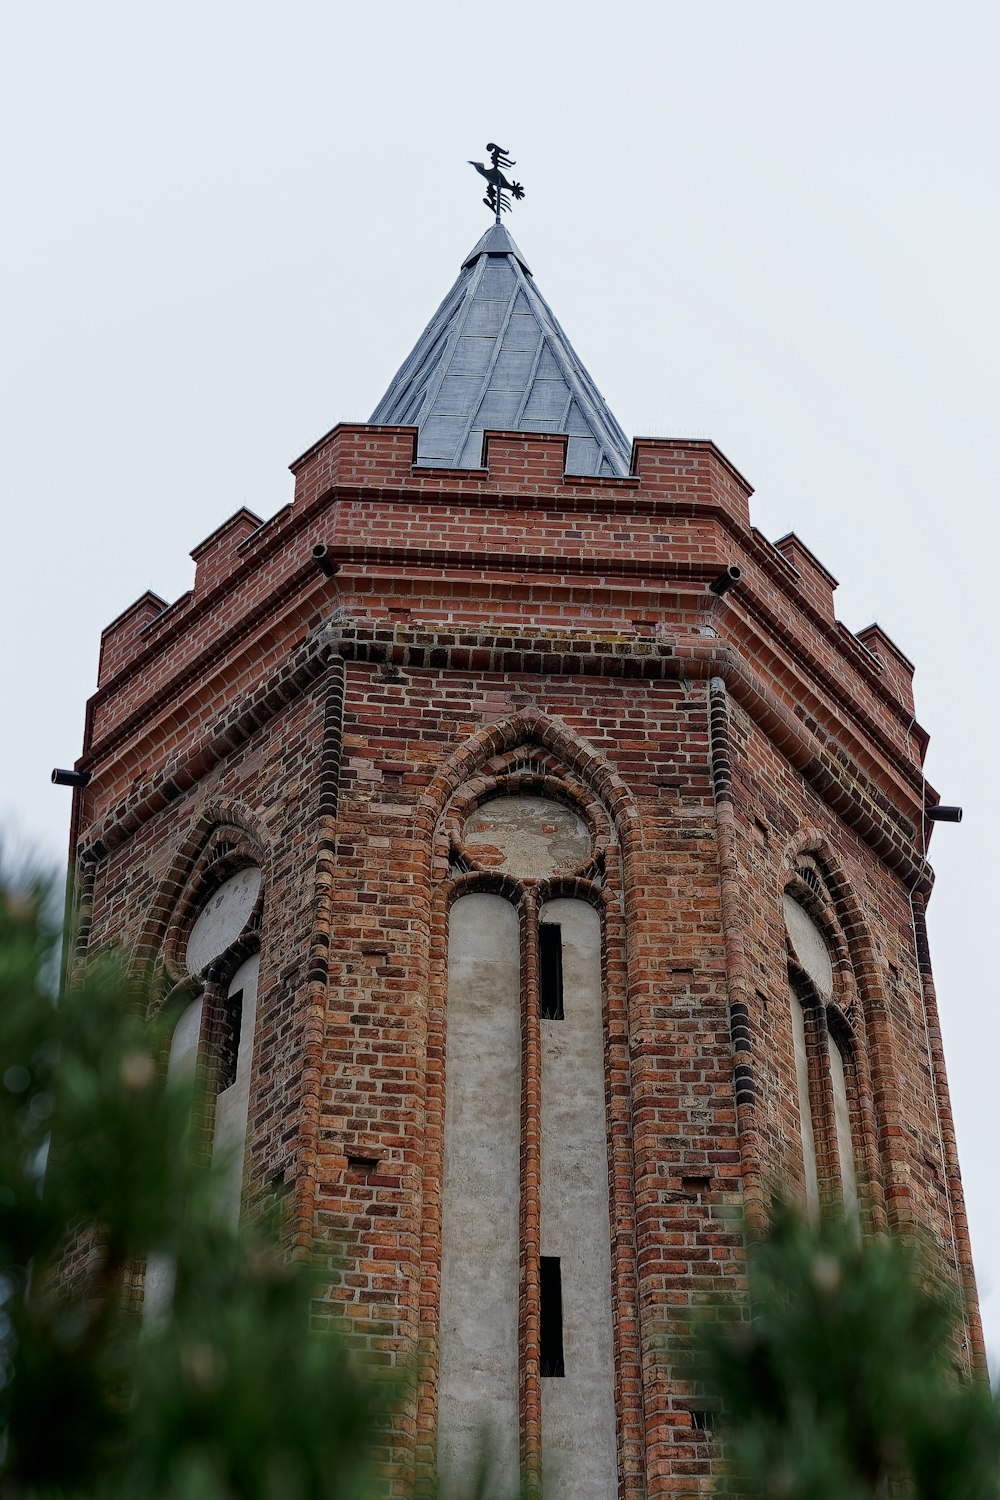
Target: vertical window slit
x,y
550,978
551,1330
229,1039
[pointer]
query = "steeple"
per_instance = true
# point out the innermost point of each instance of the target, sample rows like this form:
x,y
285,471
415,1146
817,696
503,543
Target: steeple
x,y
494,356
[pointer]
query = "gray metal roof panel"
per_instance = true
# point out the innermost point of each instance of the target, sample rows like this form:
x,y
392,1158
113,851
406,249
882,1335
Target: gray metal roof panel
x,y
494,355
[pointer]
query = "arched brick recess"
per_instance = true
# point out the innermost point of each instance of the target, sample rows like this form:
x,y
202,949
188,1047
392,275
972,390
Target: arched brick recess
x,y
571,756
530,754
867,1022
222,837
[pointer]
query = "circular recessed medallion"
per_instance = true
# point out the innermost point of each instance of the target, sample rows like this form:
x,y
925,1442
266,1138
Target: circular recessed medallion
x,y
527,836
222,918
809,946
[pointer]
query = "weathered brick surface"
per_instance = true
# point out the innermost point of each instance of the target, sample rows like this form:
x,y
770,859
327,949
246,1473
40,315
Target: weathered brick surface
x,y
512,628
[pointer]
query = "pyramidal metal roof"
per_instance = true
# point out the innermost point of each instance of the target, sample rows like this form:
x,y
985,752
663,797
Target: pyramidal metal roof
x,y
494,356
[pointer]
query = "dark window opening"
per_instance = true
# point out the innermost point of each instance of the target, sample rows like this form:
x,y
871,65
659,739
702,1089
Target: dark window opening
x,y
551,1331
703,1420
550,978
362,1164
229,1039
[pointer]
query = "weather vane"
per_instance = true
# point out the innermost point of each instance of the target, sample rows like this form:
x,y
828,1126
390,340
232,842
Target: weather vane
x,y
501,189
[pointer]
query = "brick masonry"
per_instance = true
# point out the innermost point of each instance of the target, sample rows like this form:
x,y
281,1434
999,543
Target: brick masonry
x,y
516,628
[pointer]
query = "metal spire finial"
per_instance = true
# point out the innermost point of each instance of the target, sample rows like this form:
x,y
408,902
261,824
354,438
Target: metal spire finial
x,y
500,190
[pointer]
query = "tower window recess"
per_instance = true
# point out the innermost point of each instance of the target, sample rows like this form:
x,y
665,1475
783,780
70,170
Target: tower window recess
x,y
551,1359
229,1040
550,972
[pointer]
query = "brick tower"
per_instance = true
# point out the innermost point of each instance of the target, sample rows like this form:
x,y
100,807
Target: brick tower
x,y
550,865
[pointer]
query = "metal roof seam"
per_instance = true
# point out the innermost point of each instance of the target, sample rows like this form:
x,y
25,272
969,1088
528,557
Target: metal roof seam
x,y
449,386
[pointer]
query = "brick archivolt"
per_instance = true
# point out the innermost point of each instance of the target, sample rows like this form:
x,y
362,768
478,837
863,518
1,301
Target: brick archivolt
x,y
223,837
824,895
531,754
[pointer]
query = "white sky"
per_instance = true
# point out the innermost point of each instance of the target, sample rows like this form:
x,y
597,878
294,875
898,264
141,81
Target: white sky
x,y
766,222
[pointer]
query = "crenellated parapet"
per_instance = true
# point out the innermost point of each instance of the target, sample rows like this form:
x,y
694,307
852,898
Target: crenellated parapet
x,y
516,546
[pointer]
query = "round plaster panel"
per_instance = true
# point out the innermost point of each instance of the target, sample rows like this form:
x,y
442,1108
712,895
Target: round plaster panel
x,y
527,836
222,918
809,946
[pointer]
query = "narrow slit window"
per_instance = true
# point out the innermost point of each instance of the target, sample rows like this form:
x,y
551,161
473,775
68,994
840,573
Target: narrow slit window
x,y
550,976
551,1331
807,1136
229,1040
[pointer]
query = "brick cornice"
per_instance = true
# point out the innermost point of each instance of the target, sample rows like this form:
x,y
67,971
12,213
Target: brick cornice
x,y
301,668
163,630
195,670
778,569
394,558
391,559
841,783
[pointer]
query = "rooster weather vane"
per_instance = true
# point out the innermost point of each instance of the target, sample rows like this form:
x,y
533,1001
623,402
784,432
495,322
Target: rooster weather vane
x,y
500,189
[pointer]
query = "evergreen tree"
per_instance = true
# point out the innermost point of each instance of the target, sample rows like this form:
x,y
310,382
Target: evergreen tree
x,y
838,1382
229,1393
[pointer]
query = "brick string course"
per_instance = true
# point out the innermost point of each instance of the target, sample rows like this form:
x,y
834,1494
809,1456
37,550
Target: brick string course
x,y
514,628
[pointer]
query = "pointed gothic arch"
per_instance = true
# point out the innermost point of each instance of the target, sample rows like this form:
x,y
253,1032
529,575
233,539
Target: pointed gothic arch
x,y
532,757
215,1033
224,835
561,752
855,1013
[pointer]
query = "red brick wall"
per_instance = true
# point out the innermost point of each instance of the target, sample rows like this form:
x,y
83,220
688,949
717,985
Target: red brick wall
x,y
336,720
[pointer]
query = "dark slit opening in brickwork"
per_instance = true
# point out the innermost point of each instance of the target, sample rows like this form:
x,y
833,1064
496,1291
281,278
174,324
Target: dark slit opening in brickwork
x,y
551,1320
229,1039
550,976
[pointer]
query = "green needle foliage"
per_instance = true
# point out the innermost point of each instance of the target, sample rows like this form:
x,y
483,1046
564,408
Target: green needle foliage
x,y
838,1386
840,1383
226,1394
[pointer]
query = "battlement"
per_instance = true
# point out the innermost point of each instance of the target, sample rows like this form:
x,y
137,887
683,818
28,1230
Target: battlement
x,y
519,544
216,556
816,582
119,639
898,668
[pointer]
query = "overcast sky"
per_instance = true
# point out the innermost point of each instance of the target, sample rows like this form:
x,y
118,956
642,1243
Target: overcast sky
x,y
768,222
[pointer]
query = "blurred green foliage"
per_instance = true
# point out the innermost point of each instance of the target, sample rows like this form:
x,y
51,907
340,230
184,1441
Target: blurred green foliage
x,y
229,1393
836,1384
838,1381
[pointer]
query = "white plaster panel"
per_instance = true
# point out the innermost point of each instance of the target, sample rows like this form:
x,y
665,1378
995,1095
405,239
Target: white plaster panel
x,y
184,1043
478,1380
233,1104
579,1447
222,918
527,836
158,1285
809,946
842,1118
